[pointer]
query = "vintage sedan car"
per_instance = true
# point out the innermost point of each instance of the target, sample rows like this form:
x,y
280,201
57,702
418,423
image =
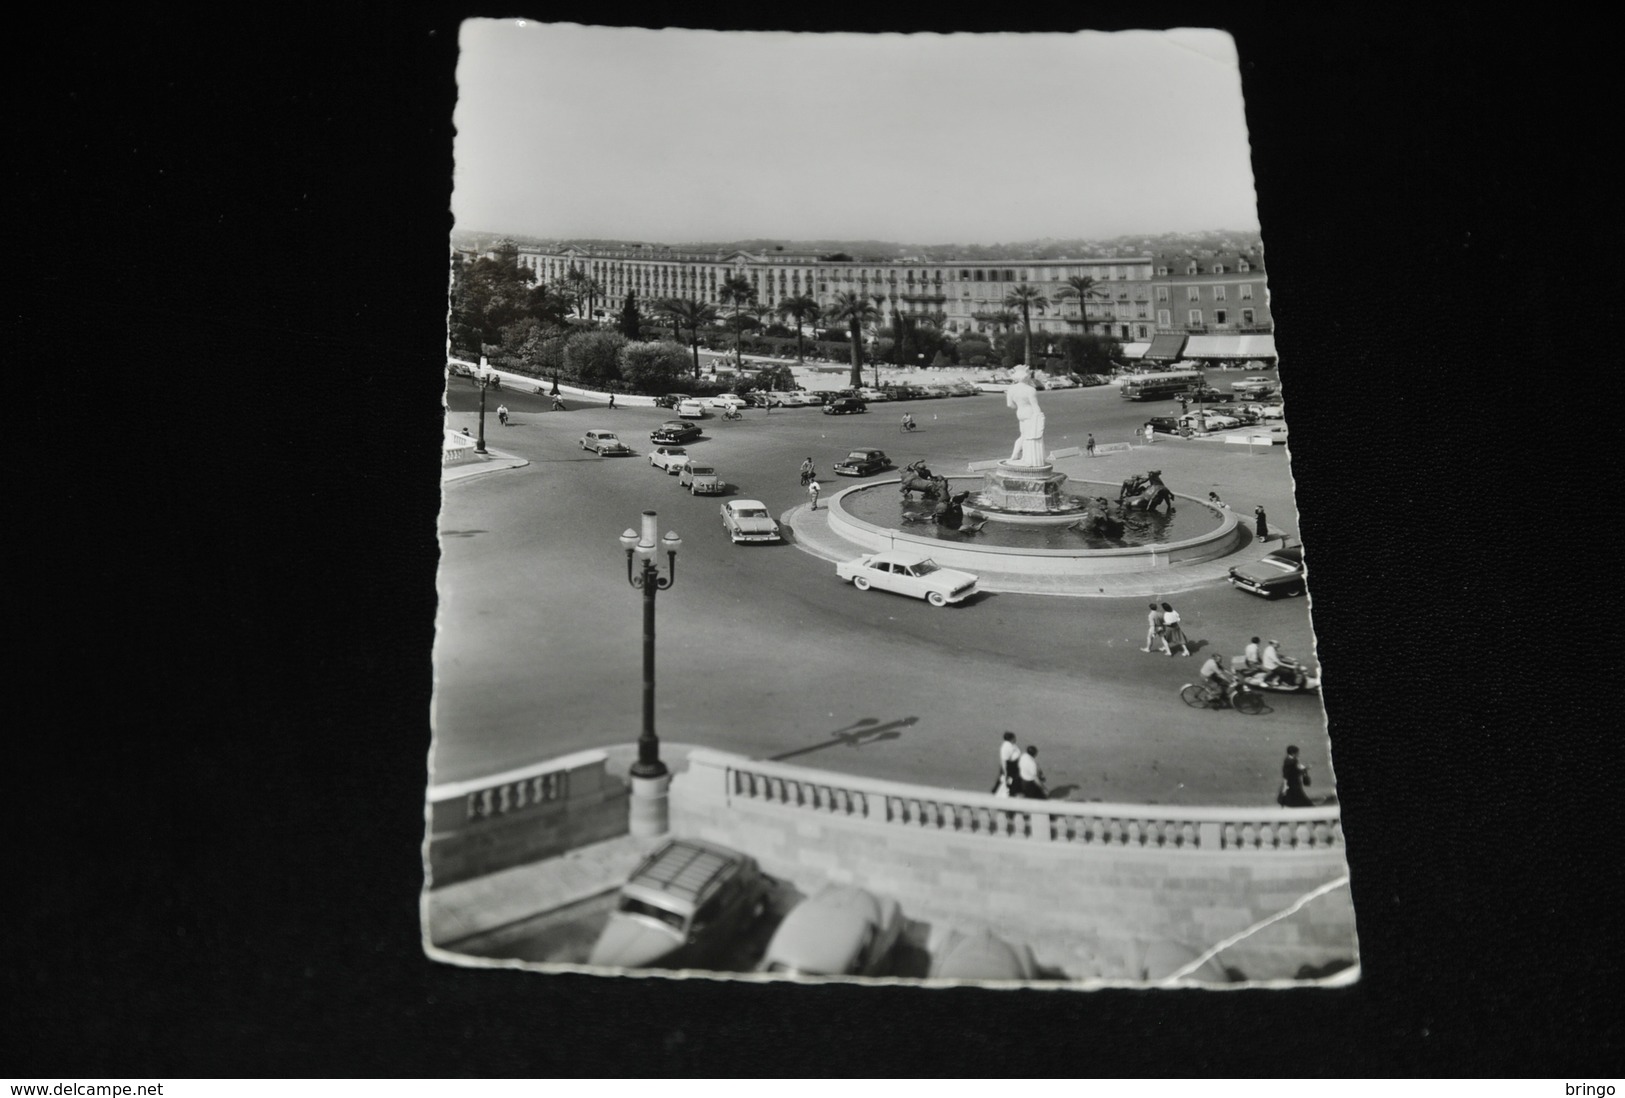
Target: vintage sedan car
x,y
1278,573
669,458
910,574
604,444
842,406
841,931
797,398
1265,411
1254,387
1207,396
671,400
685,904
1093,379
1209,421
675,430
749,520
981,955
726,400
1060,381
964,389
700,479
863,463
1165,425
871,395
690,409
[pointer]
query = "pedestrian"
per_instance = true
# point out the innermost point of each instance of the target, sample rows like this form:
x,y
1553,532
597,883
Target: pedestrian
x,y
465,431
1150,434
1031,778
1009,755
1294,776
813,490
1213,498
502,414
806,472
1172,634
1153,628
1260,524
612,400
1089,447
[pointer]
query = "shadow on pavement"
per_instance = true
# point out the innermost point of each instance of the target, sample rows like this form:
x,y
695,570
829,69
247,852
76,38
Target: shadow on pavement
x,y
867,731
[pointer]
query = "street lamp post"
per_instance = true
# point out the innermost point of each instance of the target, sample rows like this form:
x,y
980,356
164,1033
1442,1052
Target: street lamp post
x,y
485,383
649,775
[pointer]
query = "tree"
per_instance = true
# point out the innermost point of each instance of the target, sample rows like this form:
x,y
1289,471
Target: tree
x,y
668,309
737,291
630,322
653,367
1089,354
800,308
547,305
855,311
487,295
1083,288
1026,298
595,357
693,315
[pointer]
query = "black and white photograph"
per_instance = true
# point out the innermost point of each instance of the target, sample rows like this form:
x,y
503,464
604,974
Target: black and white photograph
x,y
869,550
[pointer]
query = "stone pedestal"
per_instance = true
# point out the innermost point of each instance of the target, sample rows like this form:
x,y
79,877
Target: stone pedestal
x,y
649,813
1024,489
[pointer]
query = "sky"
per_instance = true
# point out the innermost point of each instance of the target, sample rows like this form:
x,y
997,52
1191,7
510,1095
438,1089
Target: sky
x,y
567,131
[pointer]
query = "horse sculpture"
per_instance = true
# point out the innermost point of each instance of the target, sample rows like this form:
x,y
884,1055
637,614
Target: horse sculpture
x,y
1145,493
1099,521
917,478
950,513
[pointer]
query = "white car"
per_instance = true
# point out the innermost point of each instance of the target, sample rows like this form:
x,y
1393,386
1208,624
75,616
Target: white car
x,y
841,931
1209,421
1266,411
749,520
910,574
1059,381
797,399
724,400
669,458
690,409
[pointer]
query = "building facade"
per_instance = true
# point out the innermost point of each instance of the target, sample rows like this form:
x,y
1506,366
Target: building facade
x,y
1211,294
957,296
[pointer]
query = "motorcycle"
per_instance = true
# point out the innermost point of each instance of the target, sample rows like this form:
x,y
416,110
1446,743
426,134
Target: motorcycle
x,y
1301,682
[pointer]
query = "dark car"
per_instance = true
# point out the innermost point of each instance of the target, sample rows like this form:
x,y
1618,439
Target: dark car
x,y
682,906
1278,573
1165,425
675,430
1207,396
863,463
844,406
671,400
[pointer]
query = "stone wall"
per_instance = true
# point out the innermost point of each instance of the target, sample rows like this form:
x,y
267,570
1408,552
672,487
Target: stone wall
x,y
1097,890
490,824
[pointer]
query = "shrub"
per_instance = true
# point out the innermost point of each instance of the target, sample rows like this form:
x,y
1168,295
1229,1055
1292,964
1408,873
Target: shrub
x,y
594,357
654,367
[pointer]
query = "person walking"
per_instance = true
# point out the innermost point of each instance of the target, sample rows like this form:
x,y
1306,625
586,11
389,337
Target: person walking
x,y
1261,525
1153,628
1089,447
813,490
806,472
1294,776
1213,498
1172,634
1004,783
502,414
1150,434
612,401
1030,778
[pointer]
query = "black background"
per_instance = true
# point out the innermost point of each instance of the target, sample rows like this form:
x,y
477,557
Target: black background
x,y
229,328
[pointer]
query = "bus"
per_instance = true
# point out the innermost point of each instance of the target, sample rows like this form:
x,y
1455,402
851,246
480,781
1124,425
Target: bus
x,y
1160,386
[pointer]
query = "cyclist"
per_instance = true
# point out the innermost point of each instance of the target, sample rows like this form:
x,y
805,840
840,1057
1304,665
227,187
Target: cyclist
x,y
1218,677
908,421
806,472
502,414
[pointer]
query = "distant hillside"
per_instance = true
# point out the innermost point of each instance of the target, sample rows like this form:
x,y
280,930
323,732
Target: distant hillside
x,y
1215,240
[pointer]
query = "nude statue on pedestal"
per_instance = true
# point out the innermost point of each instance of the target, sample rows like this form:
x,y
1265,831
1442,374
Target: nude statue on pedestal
x,y
1029,449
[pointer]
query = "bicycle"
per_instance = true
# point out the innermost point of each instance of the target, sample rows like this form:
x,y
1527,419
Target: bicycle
x,y
909,424
1201,695
732,413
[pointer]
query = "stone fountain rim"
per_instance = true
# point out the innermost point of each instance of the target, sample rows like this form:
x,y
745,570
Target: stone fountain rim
x,y
839,515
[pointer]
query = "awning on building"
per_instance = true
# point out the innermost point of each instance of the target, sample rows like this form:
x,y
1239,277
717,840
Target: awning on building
x,y
1230,346
1165,347
1135,350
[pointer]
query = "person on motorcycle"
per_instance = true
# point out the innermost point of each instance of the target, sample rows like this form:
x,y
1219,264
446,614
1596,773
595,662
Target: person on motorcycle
x,y
1279,668
1251,662
1218,677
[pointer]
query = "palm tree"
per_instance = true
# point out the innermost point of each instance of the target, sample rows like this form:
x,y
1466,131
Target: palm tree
x,y
737,291
692,315
1026,298
801,308
1084,288
592,291
669,308
855,310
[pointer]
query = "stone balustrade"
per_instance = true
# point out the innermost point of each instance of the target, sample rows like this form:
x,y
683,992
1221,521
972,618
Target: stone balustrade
x,y
923,809
457,448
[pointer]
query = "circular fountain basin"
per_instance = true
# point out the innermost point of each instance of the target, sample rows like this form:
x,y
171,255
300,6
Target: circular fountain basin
x,y
873,515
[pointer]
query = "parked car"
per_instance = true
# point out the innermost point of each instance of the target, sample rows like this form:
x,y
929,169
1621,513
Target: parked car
x,y
863,463
700,480
908,574
844,406
604,444
1209,421
749,520
1060,381
1165,425
668,458
798,399
690,409
941,391
964,389
726,400
1206,395
1254,387
872,395
671,400
675,430
1278,573
1093,379
1266,411
683,905
981,955
841,931
460,369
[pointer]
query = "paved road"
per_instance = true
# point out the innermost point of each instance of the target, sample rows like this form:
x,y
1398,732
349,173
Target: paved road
x,y
762,651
